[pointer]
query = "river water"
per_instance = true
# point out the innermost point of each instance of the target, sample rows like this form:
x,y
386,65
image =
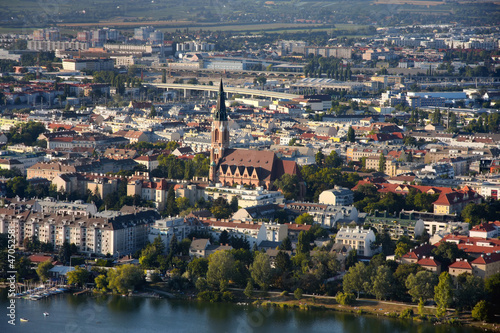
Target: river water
x,y
81,314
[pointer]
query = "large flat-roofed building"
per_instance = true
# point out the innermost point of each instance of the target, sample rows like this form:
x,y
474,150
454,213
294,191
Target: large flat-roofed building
x,y
88,64
326,51
47,45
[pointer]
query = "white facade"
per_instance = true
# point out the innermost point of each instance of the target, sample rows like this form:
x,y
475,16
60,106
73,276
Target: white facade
x,y
338,196
359,239
171,226
246,197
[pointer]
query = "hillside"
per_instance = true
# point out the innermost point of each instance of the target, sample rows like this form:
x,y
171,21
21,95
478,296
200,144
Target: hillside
x,y
168,13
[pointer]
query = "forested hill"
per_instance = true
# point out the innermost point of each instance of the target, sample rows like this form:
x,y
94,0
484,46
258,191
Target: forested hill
x,y
127,13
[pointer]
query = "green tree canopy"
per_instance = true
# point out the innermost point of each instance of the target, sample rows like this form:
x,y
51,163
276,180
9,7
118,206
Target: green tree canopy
x,y
421,285
260,270
79,276
443,294
355,278
124,278
221,269
43,270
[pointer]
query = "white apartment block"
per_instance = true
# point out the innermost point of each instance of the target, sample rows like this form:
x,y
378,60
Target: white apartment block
x,y
246,197
359,239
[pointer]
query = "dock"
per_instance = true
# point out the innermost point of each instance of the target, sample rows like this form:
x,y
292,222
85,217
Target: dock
x,y
81,292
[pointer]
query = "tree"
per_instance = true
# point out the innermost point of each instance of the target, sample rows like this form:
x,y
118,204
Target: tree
x,y
421,285
164,76
78,276
333,160
298,293
492,287
303,243
224,237
447,253
382,283
220,208
352,259
481,311
198,267
345,298
249,289
351,136
289,186
152,112
221,268
65,253
234,204
319,158
43,270
260,270
124,278
182,203
286,244
443,294
282,263
149,255
101,282
469,290
474,213
355,278
171,208
17,186
381,163
402,248
304,219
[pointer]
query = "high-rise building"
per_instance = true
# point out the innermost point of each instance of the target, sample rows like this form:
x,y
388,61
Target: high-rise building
x,y
98,37
143,33
156,37
83,36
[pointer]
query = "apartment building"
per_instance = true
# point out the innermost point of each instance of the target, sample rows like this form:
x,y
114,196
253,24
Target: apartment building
x,y
359,239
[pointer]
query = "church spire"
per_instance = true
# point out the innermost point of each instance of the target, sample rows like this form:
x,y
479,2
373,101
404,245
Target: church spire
x,y
220,113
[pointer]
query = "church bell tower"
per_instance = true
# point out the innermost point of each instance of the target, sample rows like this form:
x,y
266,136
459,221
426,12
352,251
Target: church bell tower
x,y
220,134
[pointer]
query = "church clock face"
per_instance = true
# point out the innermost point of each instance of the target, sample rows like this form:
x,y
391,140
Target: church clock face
x,y
216,150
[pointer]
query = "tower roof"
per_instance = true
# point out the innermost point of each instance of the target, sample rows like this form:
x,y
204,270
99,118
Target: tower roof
x,y
221,113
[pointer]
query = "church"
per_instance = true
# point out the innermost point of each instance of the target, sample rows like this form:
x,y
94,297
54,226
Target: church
x,y
242,166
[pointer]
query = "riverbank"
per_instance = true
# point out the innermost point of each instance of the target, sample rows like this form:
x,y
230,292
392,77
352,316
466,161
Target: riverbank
x,y
368,307
376,308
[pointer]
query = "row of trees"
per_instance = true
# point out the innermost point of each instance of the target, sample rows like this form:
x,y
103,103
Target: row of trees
x,y
330,66
385,280
368,199
173,168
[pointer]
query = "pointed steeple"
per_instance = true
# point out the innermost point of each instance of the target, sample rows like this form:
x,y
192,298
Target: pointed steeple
x,y
220,113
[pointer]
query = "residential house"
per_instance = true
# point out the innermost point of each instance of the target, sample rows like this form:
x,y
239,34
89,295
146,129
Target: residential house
x,y
454,202
149,161
198,248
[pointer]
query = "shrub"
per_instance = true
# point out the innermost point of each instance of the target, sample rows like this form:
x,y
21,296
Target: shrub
x,y
406,314
227,296
345,298
209,296
298,293
482,311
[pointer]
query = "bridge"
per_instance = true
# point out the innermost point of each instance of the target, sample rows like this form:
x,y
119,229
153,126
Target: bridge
x,y
213,90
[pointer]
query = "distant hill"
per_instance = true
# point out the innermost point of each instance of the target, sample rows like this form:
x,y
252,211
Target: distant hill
x,y
35,13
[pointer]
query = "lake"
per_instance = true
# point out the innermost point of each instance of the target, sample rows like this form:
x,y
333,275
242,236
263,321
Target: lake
x,y
79,314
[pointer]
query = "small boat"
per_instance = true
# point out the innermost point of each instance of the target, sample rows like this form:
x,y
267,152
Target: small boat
x,y
23,319
46,314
